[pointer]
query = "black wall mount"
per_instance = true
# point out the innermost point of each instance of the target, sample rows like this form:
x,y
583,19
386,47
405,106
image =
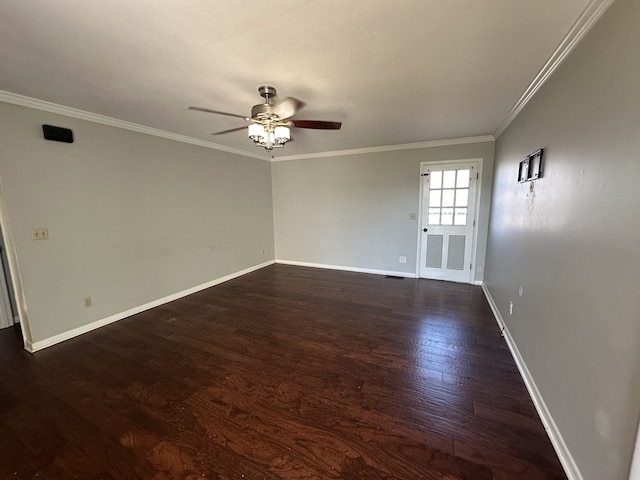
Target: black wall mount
x,y
531,166
57,134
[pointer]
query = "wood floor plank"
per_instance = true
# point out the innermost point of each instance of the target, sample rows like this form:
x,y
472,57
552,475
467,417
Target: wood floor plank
x,y
284,373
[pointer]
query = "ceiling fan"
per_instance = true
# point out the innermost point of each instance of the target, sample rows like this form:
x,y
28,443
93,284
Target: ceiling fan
x,y
270,123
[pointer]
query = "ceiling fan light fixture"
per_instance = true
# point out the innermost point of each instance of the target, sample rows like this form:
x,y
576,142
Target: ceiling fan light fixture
x,y
269,136
282,134
271,139
256,132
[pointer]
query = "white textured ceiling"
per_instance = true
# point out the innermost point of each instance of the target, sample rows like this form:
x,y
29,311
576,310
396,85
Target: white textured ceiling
x,y
393,71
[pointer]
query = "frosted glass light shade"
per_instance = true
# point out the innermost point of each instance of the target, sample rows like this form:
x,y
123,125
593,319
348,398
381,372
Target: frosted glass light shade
x,y
282,134
256,132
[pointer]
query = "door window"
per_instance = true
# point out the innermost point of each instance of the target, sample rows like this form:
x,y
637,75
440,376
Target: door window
x,y
449,197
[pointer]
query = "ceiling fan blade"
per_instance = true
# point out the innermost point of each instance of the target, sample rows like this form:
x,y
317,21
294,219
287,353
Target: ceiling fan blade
x,y
316,124
208,110
287,107
230,130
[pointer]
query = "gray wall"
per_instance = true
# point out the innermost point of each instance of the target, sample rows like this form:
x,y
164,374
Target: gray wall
x,y
353,210
132,218
573,244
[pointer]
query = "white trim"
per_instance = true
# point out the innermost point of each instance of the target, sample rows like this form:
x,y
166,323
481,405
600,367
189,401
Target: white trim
x,y
387,148
476,227
14,270
346,269
578,30
635,461
419,221
6,319
15,99
34,103
48,342
567,461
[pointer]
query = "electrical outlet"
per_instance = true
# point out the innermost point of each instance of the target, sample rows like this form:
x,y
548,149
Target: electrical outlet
x,y
413,216
41,233
402,259
86,301
510,308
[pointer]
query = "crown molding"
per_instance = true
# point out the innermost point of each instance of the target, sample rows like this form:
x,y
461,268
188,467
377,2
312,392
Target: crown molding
x,y
578,30
24,101
15,99
387,148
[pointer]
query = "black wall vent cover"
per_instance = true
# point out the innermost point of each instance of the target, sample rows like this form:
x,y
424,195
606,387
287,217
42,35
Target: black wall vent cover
x,y
57,134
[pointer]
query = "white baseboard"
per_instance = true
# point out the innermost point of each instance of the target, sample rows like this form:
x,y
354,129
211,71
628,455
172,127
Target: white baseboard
x,y
347,269
566,459
61,337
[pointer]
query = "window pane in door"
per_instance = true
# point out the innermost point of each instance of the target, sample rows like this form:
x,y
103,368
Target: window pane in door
x,y
434,198
449,179
447,216
434,216
463,178
460,217
447,198
462,197
436,179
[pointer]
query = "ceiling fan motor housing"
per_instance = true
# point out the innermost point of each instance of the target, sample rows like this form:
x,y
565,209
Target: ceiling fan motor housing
x,y
263,111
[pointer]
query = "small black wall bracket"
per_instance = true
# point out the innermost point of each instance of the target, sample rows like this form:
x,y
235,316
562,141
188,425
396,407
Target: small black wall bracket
x,y
531,166
57,134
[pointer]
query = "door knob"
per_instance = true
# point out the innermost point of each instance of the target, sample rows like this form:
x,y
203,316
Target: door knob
x,y
424,229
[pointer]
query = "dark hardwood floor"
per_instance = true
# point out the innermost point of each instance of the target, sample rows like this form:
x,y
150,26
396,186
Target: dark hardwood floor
x,y
285,373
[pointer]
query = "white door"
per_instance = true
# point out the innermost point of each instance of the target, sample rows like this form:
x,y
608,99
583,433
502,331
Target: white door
x,y
448,221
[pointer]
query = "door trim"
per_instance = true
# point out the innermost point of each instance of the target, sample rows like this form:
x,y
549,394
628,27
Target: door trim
x,y
6,313
474,238
13,275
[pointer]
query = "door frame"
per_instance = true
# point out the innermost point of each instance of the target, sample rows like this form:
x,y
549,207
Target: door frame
x,y
7,318
474,237
13,275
